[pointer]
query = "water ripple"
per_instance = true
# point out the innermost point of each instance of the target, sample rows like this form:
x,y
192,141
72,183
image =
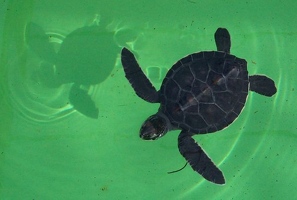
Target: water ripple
x,y
34,101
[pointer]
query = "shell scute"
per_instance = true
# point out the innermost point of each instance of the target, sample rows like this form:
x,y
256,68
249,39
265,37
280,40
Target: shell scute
x,y
205,92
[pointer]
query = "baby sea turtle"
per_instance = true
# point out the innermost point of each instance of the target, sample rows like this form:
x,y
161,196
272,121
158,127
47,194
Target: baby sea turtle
x,y
86,57
202,93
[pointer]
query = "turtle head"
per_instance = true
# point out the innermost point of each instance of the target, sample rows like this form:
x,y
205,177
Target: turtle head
x,y
153,128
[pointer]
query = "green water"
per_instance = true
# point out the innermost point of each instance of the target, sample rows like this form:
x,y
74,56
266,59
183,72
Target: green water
x,y
50,150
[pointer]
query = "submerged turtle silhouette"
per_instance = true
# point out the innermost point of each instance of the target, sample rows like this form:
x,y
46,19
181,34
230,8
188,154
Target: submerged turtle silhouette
x,y
202,93
86,57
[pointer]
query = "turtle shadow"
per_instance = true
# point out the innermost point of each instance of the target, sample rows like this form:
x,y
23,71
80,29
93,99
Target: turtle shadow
x,y
84,58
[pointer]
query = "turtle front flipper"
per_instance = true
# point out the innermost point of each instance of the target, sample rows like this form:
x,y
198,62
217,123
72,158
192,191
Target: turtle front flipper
x,y
82,102
141,84
262,85
198,159
223,41
38,41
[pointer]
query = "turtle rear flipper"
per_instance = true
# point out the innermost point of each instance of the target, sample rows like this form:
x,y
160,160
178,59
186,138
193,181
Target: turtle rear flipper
x,y
140,83
223,41
82,102
198,159
262,85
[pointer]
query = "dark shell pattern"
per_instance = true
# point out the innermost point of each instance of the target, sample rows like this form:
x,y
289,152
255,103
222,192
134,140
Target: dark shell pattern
x,y
205,92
